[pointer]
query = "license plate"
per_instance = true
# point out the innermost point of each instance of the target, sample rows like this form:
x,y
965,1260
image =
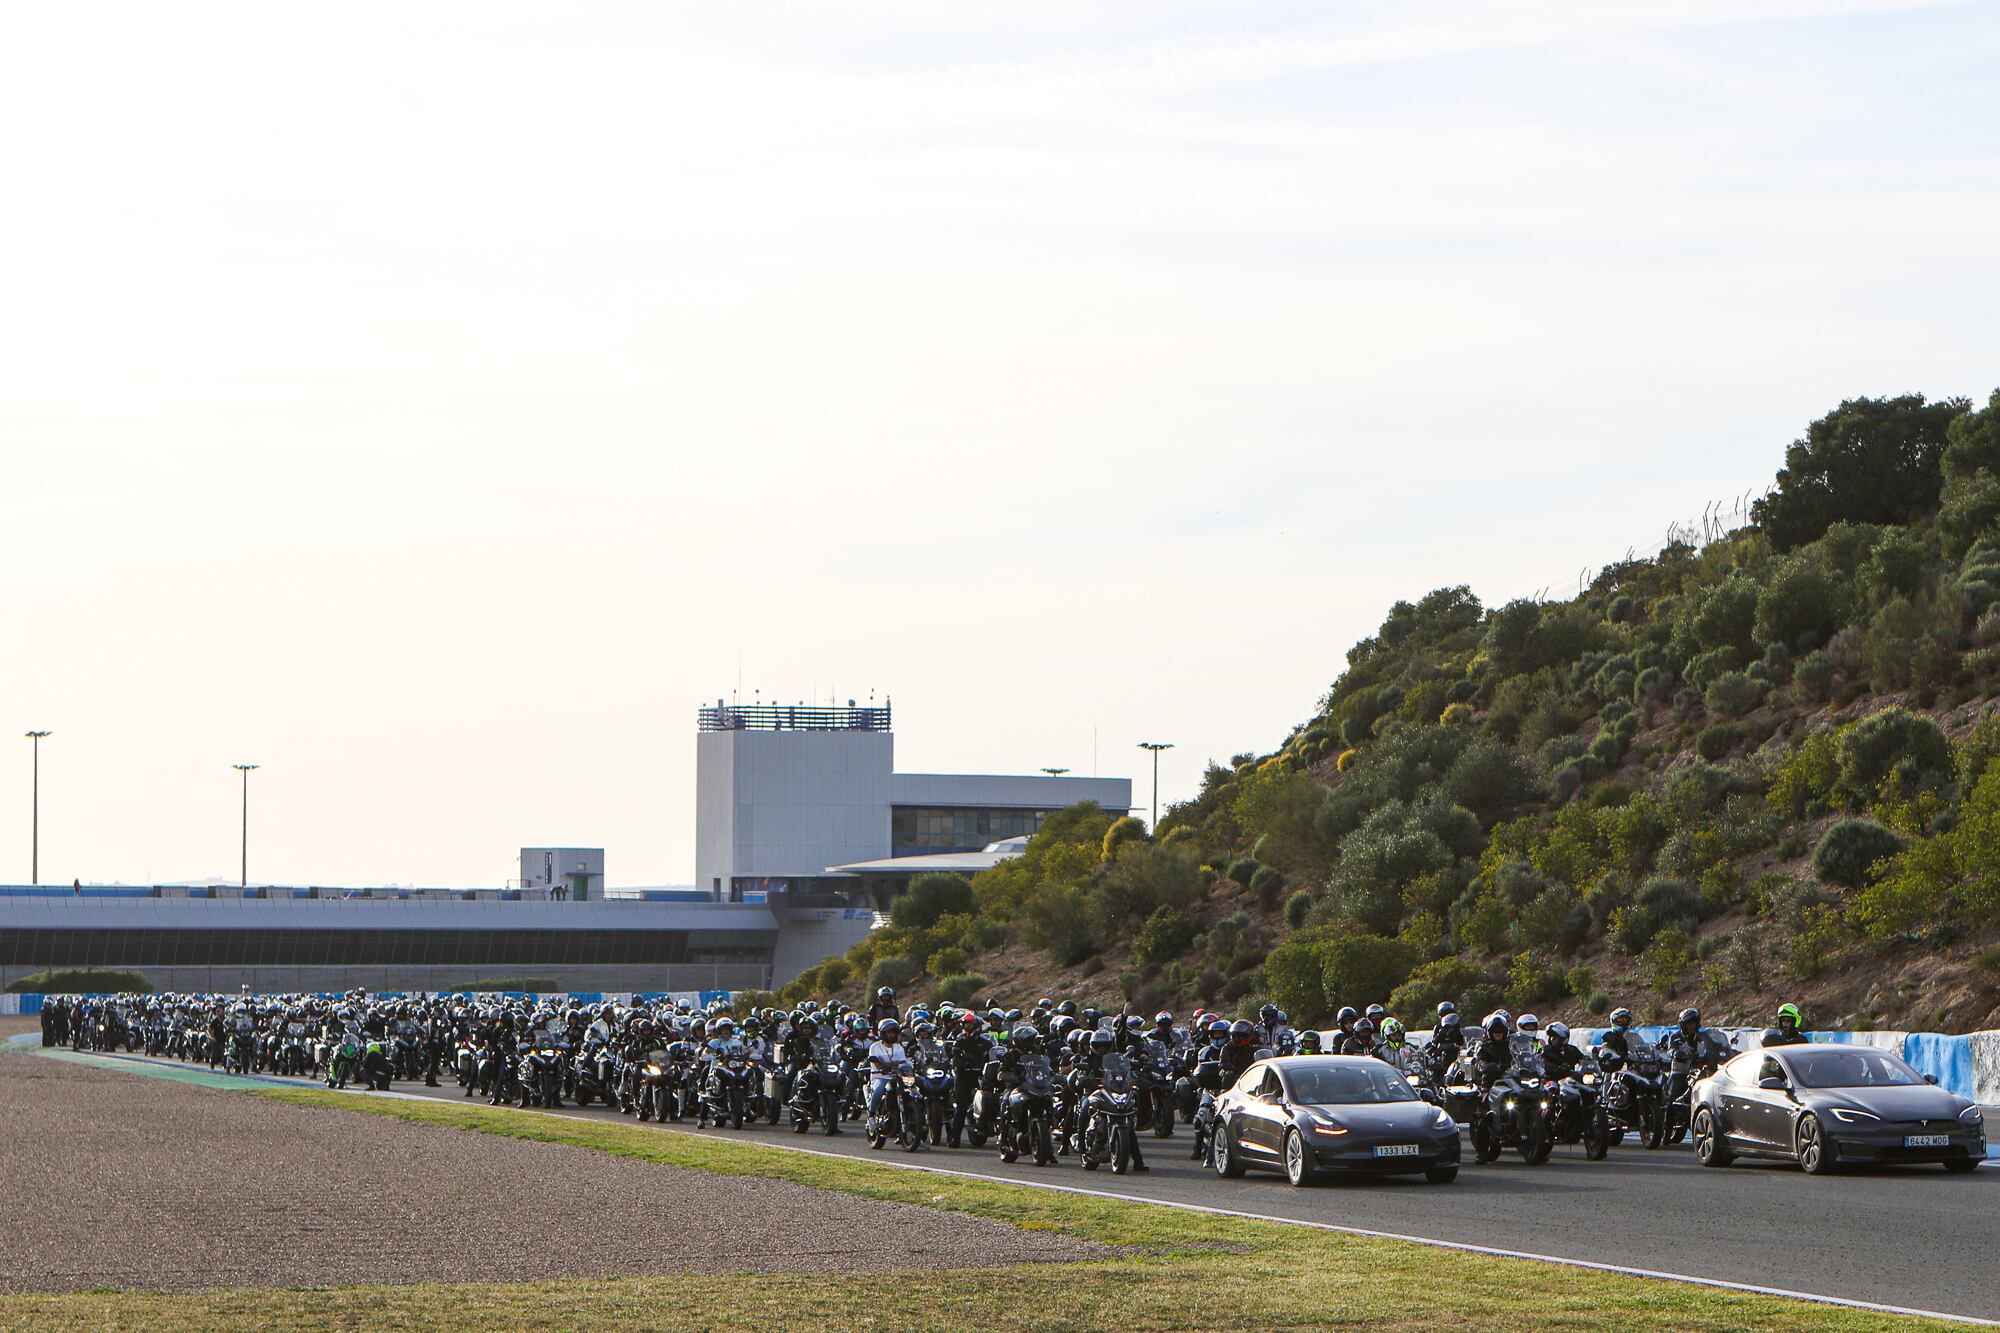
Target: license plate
x,y
1396,1150
1927,1141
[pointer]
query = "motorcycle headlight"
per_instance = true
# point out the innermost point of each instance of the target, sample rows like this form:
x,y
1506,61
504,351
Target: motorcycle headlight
x,y
1852,1116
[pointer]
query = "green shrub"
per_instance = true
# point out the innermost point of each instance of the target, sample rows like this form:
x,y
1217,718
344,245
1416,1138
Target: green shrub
x,y
1849,851
1451,979
1599,1003
1666,960
945,962
894,973
1893,743
1800,605
929,897
1297,907
1556,921
532,985
1358,969
1529,983
1707,667
961,987
1126,828
1812,678
1672,902
1630,930
1267,883
1815,941
1870,460
1242,870
1733,693
1582,981
1167,935
1719,739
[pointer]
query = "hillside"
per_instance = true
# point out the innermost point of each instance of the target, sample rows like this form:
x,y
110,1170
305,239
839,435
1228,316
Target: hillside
x,y
1727,775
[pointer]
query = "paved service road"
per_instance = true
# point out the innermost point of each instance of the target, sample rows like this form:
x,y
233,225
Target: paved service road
x,y
1902,1236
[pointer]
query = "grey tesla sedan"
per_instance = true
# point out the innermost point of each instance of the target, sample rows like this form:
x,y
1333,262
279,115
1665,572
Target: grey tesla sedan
x,y
1313,1116
1831,1105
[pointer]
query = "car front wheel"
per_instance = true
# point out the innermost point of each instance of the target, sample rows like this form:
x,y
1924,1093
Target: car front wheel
x,y
1708,1147
1299,1166
1814,1152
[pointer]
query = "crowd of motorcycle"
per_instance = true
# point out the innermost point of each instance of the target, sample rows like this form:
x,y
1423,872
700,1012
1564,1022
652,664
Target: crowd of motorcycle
x,y
1055,1081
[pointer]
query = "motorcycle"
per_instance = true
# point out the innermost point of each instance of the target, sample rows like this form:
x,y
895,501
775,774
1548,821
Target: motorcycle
x,y
594,1077
816,1092
1631,1091
1689,1068
541,1075
1513,1116
1156,1077
1208,1085
1575,1111
728,1089
1026,1125
935,1079
899,1113
1111,1120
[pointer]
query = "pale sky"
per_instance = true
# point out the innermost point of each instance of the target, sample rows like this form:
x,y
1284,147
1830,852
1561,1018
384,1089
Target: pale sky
x,y
436,403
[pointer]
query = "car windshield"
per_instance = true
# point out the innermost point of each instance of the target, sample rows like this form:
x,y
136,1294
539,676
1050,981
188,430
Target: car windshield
x,y
1852,1069
1339,1085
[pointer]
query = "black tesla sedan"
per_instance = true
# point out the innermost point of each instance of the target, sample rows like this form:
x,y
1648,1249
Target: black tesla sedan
x,y
1312,1116
1832,1105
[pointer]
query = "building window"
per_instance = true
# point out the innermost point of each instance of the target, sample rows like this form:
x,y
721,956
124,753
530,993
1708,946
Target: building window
x,y
917,830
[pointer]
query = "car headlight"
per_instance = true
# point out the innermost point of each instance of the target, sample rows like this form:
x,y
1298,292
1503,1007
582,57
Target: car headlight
x,y
1444,1121
1327,1125
1848,1115
1973,1114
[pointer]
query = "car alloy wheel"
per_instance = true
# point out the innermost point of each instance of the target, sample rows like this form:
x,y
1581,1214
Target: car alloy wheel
x,y
1222,1155
1299,1168
1813,1152
1708,1149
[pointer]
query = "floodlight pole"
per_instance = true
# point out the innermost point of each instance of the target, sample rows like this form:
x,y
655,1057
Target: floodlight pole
x,y
35,875
244,769
1156,747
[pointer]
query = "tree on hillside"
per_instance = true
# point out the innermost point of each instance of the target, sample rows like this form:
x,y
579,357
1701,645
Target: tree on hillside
x,y
1870,460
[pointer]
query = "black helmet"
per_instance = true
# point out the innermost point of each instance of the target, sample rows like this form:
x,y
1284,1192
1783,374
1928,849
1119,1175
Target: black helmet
x,y
1241,1033
1025,1033
1067,1007
1496,1027
1364,1027
1449,1021
1345,1018
1101,1040
1134,1023
1163,1019
1376,1013
1013,1015
1268,1014
1090,1017
1621,1018
1557,1033
1044,1004
1690,1018
890,1027
1060,1026
1218,1028
1771,1037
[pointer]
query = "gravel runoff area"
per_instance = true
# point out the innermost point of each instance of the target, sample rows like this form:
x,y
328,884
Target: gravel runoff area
x,y
117,1181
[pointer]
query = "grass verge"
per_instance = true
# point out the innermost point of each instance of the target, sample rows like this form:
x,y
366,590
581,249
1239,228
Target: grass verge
x,y
1186,1270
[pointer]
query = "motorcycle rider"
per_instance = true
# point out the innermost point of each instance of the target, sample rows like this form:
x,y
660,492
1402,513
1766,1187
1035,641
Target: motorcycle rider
x,y
1343,1023
971,1052
1494,1055
1619,1036
1164,1033
1091,1077
885,1053
1788,1029
1309,1042
1240,1052
1560,1059
1362,1040
1448,1032
1395,1049
884,1006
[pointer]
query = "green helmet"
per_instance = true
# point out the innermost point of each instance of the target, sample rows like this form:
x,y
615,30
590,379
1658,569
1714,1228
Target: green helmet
x,y
1791,1011
1392,1031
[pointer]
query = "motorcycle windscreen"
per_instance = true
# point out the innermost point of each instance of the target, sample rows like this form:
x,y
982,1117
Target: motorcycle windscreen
x,y
1036,1078
1117,1072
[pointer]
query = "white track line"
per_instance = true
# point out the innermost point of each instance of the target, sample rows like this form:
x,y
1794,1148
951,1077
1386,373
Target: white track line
x,y
1465,1247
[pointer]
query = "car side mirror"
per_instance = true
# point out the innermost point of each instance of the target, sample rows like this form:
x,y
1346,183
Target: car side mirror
x,y
1931,1079
1772,1084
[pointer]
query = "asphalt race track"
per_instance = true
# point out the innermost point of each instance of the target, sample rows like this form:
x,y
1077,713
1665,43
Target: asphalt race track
x,y
1912,1237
